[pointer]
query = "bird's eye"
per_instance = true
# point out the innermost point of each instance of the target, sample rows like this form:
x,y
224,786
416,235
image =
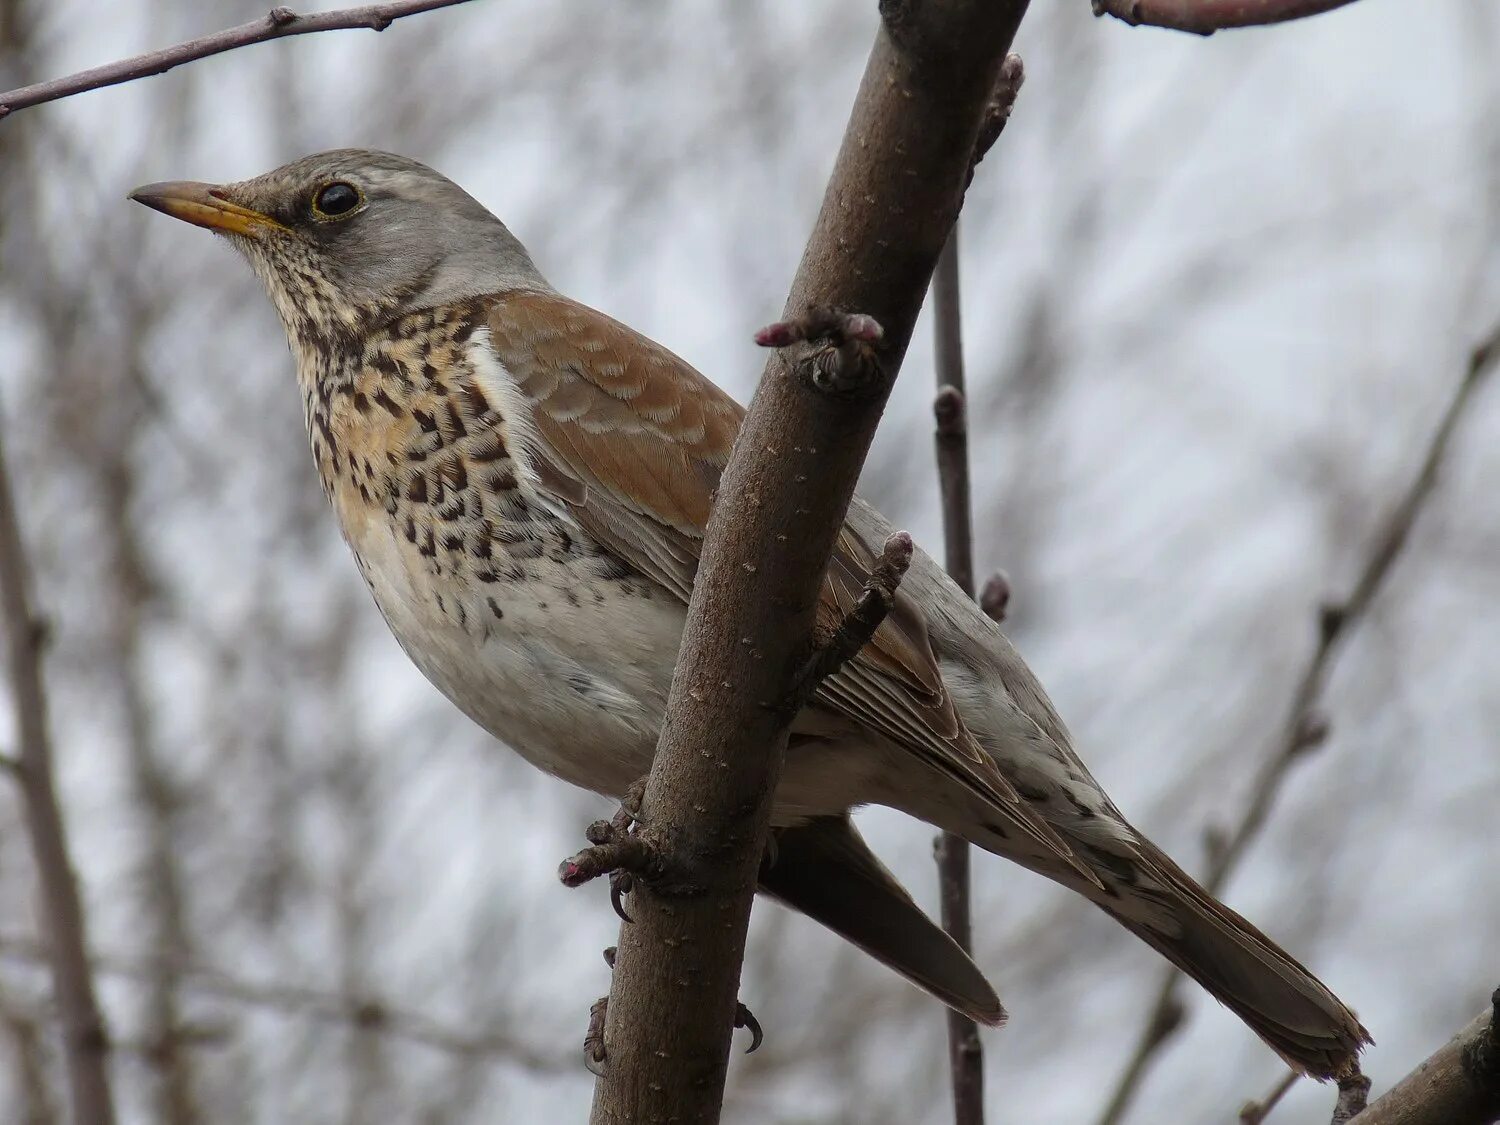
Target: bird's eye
x,y
335,199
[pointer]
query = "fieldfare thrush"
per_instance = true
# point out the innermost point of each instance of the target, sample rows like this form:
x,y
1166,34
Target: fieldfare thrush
x,y
524,483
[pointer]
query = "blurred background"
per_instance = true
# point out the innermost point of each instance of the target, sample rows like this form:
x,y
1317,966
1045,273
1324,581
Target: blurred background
x,y
1216,295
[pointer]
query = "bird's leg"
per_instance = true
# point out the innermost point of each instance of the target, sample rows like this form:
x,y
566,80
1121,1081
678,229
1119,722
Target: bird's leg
x,y
594,1058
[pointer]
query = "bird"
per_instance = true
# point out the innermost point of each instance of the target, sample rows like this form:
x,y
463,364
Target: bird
x,y
524,483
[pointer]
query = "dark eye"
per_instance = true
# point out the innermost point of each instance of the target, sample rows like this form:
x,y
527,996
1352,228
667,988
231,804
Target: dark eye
x,y
336,199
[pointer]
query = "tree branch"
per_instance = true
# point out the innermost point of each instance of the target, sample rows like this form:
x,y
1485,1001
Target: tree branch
x,y
278,23
1459,1085
1305,729
890,204
1204,17
1254,1113
950,410
85,1039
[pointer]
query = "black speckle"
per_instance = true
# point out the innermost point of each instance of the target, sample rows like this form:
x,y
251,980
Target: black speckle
x,y
455,423
495,609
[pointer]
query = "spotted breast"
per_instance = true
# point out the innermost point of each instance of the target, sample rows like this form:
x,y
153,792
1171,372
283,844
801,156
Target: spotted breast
x,y
503,600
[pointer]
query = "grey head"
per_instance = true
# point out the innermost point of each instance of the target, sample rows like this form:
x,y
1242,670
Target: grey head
x,y
352,238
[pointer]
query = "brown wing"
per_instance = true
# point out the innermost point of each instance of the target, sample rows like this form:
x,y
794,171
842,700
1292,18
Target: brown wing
x,y
633,440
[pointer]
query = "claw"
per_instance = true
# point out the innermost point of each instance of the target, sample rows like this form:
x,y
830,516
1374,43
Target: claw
x,y
621,883
629,813
743,1017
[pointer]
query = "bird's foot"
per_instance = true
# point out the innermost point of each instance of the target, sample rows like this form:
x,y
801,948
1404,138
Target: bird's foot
x,y
593,1038
594,1058
629,814
621,849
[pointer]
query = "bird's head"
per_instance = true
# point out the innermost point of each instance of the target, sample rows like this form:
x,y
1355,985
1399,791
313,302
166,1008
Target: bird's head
x,y
348,239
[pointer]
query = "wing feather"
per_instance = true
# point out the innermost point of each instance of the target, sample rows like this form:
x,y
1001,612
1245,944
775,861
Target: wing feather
x,y
634,441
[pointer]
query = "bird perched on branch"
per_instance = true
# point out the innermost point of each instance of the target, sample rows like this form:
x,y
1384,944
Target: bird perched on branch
x,y
524,483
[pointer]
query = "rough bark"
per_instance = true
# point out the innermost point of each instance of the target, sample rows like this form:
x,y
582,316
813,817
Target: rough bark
x,y
1459,1085
888,209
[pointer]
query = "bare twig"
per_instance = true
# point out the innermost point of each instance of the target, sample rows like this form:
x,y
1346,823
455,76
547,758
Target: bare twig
x,y
781,503
858,627
1459,1085
965,1052
279,23
368,1013
1256,1112
1354,1091
1305,727
994,598
1204,17
85,1040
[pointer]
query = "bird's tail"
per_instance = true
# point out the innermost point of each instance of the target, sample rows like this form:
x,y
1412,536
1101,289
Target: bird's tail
x,y
824,869
1288,1007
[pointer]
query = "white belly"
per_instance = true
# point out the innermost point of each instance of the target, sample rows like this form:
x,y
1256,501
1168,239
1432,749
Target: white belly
x,y
575,684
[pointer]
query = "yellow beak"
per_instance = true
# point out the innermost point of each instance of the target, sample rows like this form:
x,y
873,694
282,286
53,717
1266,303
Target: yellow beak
x,y
204,205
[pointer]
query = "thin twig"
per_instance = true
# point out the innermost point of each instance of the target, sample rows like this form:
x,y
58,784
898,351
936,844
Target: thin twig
x,y
85,1039
1204,17
279,23
859,626
950,413
368,1013
1304,728
1354,1092
994,596
1256,1112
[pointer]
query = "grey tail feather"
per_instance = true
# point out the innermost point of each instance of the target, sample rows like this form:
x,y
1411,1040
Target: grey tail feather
x,y
1283,1003
825,869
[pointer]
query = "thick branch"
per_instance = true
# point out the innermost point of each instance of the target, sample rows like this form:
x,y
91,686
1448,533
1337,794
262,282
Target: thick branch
x,y
85,1040
1305,728
1459,1085
892,200
1204,17
276,24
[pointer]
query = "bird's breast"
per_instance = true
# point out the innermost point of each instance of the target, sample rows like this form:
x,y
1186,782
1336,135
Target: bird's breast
x,y
502,600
